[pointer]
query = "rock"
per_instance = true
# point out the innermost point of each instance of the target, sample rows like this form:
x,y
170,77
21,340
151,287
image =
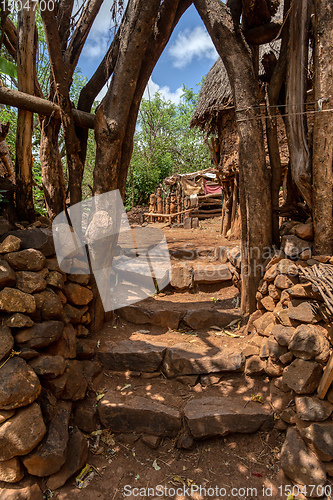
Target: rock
x,y
152,442
273,368
289,416
19,320
287,358
36,238
85,348
43,273
91,369
254,366
210,274
280,398
205,318
140,316
313,408
77,295
320,435
264,353
71,314
304,291
132,355
66,345
274,292
262,323
250,350
187,359
271,273
7,275
125,413
11,471
275,350
40,334
30,282
56,279
76,458
50,455
268,303
81,279
181,277
6,341
19,491
278,382
82,331
235,256
12,300
185,440
250,328
304,311
10,244
26,260
283,334
283,282
19,385
308,342
209,416
322,258
287,267
306,254
5,225
282,315
49,304
5,415
299,463
72,384
21,433
48,366
302,376
294,246
85,416
277,257
304,231
205,380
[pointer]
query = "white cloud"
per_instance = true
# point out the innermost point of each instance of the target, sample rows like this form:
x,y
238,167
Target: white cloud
x,y
190,45
165,91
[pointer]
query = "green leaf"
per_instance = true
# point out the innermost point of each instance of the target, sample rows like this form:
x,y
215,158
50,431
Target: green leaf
x,y
7,68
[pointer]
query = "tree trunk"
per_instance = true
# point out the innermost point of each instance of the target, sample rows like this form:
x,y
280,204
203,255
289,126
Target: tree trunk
x,y
52,170
254,176
296,97
25,78
323,130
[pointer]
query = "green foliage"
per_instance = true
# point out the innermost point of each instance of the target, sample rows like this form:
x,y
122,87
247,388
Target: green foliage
x,y
164,144
7,68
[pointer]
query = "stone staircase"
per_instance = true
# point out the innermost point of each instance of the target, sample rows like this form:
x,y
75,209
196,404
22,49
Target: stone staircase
x,y
185,384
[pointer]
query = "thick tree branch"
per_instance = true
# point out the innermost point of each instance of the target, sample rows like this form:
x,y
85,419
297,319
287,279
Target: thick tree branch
x,y
265,33
79,37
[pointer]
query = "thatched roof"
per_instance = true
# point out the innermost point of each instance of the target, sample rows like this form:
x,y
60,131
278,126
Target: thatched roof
x,y
214,97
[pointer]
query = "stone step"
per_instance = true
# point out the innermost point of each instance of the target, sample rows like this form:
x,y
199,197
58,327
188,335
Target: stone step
x,y
149,356
169,314
203,417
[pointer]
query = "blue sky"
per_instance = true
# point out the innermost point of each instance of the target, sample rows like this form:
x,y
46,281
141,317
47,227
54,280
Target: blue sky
x,y
188,56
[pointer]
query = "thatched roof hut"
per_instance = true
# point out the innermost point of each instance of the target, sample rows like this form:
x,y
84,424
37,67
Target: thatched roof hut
x,y
215,99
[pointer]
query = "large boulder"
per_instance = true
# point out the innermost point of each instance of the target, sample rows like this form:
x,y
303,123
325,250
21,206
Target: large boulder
x,y
40,334
300,464
13,300
21,433
50,455
19,385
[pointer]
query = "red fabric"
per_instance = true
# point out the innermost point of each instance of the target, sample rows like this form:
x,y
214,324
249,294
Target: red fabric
x,y
212,189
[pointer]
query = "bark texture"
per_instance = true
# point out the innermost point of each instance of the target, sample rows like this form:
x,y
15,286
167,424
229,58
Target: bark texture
x,y
25,78
323,130
255,199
